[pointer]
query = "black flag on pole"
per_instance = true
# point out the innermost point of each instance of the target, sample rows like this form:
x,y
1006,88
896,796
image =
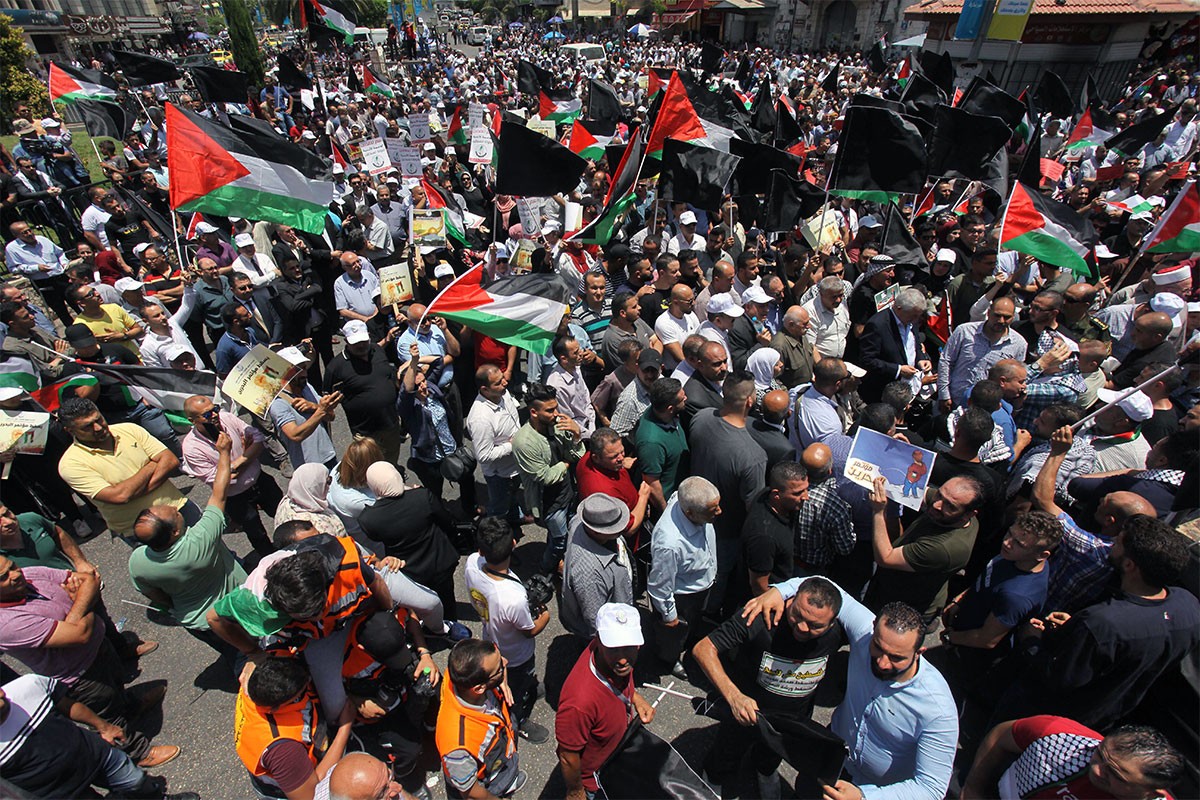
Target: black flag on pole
x,y
292,76
762,113
603,103
645,766
532,165
1052,94
898,242
695,174
143,70
985,98
103,119
753,174
830,82
877,57
710,57
879,153
790,200
218,85
963,143
532,79
1135,137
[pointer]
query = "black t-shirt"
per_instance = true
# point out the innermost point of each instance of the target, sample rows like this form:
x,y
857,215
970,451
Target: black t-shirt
x,y
369,390
1164,422
654,304
772,666
861,304
53,757
127,233
768,541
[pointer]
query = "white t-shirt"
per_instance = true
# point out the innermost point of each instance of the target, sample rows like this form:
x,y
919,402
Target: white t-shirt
x,y
669,330
93,219
504,608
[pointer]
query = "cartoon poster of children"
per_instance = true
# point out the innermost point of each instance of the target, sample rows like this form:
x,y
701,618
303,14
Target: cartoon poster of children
x,y
905,467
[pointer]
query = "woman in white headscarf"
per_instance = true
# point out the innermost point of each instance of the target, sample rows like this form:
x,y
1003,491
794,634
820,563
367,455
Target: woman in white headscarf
x,y
765,364
307,499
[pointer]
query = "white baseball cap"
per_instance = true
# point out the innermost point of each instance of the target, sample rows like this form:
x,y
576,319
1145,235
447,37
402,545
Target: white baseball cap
x,y
308,135
755,294
947,255
205,227
173,352
443,271
1138,407
1103,252
338,169
869,222
9,392
355,332
687,218
855,370
243,240
138,249
293,356
723,304
618,625
128,285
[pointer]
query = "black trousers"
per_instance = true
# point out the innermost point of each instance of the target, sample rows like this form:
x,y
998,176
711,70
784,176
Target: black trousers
x,y
102,689
243,508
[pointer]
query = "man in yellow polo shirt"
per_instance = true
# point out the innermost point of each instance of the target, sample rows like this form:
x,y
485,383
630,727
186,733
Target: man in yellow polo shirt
x,y
108,321
121,468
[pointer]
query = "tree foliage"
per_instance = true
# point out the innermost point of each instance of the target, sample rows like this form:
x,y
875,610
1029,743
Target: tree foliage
x,y
242,41
17,84
372,13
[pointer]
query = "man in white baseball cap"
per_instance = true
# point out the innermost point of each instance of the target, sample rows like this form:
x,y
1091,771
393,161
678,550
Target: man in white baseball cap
x,y
687,238
593,708
722,313
1115,431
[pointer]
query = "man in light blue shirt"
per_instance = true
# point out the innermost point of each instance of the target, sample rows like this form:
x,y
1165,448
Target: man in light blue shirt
x,y
435,341
43,262
683,557
818,418
898,717
973,349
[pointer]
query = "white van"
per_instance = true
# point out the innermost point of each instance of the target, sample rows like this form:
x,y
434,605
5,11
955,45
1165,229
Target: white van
x,y
477,35
591,53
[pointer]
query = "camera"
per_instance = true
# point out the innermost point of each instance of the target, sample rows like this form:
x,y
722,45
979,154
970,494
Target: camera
x,y
539,591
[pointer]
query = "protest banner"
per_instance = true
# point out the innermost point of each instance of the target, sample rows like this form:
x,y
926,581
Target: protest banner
x,y
408,159
887,297
529,219
427,227
23,432
821,231
543,126
475,113
395,285
481,146
418,127
258,379
375,156
905,467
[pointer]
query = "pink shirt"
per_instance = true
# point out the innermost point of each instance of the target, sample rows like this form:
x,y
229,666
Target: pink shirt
x,y
26,625
200,454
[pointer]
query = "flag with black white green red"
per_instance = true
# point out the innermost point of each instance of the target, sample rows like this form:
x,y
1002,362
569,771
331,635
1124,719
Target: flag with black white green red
x,y
1085,134
522,310
373,84
559,105
620,197
334,16
19,373
590,137
456,132
162,387
69,85
1178,231
436,197
245,174
1051,232
676,119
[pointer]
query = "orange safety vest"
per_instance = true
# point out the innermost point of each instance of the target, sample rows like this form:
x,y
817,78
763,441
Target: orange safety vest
x,y
344,600
490,739
358,663
256,728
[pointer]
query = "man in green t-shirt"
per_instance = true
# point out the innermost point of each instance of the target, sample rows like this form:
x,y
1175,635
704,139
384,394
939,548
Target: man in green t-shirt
x,y
916,568
662,447
185,569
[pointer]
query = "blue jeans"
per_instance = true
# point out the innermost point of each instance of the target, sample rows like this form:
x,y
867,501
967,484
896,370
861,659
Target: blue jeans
x,y
120,773
910,485
556,539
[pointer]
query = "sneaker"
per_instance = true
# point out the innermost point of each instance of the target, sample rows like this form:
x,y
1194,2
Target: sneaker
x,y
533,733
518,784
769,786
679,671
456,631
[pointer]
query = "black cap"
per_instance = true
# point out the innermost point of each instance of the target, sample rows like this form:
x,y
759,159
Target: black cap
x,y
80,335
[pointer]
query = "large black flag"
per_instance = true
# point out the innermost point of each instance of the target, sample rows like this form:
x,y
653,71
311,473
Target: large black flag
x,y
877,57
695,174
871,101
1089,97
830,81
103,119
710,57
1052,94
898,242
143,70
292,76
989,100
922,97
218,85
762,113
963,143
532,165
995,175
603,103
646,766
787,130
1135,137
1030,171
938,67
753,174
789,201
744,73
532,79
879,151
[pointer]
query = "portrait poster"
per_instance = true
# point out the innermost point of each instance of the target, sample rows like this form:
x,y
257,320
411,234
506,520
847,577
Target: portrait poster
x,y
427,227
258,379
24,431
395,284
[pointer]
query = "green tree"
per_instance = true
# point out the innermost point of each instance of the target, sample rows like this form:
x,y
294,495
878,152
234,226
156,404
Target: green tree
x,y
17,84
372,13
242,41
214,24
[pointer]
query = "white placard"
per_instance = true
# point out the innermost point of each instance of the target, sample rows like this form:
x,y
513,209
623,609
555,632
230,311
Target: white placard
x,y
409,159
375,156
543,126
475,113
418,127
481,146
529,220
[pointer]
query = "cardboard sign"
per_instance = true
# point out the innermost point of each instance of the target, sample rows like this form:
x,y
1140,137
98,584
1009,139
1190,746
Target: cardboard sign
x,y
481,146
408,158
1111,173
543,126
887,297
1051,169
522,260
529,220
475,112
418,127
427,227
375,156
24,431
395,284
258,379
904,466
821,231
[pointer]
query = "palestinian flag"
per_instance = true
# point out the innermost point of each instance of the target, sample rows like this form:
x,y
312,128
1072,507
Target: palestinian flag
x,y
456,227
1141,88
192,234
68,85
939,323
456,133
677,119
522,310
19,373
162,387
589,138
1085,134
373,84
1131,205
925,206
620,197
245,174
656,81
1049,231
1179,229
904,72
559,105
335,18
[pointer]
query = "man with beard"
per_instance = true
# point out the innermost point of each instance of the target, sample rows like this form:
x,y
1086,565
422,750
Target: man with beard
x,y
599,701
898,715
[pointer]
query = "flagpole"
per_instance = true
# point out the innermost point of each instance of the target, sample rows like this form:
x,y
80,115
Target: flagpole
x,y
1127,393
178,249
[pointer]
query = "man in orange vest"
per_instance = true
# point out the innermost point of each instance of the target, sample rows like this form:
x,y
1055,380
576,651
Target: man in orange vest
x,y
279,731
475,735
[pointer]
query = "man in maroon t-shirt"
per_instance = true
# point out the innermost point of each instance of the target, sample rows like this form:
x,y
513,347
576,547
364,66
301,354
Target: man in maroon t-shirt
x,y
598,700
604,469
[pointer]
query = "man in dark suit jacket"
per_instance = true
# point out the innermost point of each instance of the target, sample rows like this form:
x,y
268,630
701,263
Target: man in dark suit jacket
x,y
744,337
890,347
266,321
703,389
769,429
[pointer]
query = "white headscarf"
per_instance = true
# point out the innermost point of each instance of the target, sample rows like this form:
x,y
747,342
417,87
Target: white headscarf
x,y
385,480
309,488
762,366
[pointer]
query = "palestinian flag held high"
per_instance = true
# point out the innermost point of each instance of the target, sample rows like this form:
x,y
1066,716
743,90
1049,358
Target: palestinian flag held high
x,y
456,132
1085,134
559,105
456,226
657,80
620,197
372,83
68,85
240,173
335,18
1178,231
1049,231
590,137
904,72
677,119
521,310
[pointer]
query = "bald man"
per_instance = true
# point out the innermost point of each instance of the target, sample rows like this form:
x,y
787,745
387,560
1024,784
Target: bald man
x,y
825,524
1150,346
769,428
359,776
794,347
1079,567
